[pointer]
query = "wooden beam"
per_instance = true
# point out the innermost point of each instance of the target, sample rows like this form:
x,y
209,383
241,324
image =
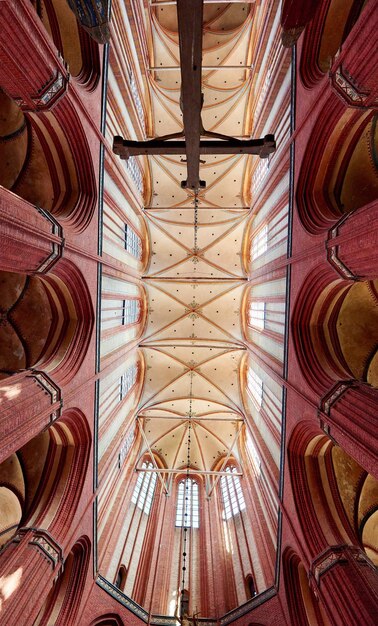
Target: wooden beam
x,y
190,20
193,147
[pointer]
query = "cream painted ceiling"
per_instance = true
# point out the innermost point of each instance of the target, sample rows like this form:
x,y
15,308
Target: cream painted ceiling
x,y
193,344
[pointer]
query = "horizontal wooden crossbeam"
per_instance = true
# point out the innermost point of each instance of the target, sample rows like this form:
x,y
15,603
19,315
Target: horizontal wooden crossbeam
x,y
126,148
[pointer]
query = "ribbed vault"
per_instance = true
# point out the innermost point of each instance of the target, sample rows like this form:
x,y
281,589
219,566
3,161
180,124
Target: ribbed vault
x,y
195,281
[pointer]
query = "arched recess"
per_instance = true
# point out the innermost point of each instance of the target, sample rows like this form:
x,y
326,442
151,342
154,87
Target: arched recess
x,y
62,603
336,499
77,48
47,161
339,169
46,321
335,330
41,484
303,607
325,35
111,619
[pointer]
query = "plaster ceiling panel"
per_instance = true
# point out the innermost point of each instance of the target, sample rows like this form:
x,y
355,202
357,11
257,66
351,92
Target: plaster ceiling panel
x,y
163,311
225,191
166,177
225,312
190,294
169,81
228,119
166,251
156,429
192,355
226,16
217,99
162,371
196,267
179,388
199,406
224,372
226,252
167,16
203,388
185,215
166,113
188,329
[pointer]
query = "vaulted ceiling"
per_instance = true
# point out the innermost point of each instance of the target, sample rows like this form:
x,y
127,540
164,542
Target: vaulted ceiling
x,y
196,279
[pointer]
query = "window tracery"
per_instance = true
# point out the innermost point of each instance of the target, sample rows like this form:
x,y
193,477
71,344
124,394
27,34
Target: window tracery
x,y
187,511
133,242
232,494
144,488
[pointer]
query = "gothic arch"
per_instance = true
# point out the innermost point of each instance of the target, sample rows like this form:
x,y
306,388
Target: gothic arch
x,y
333,21
40,484
47,161
334,330
62,603
336,499
303,607
77,48
47,321
111,619
339,168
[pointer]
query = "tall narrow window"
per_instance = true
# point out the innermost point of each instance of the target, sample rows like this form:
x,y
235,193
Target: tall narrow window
x,y
121,578
133,242
125,447
133,169
255,387
232,494
144,488
130,311
250,585
260,242
187,513
256,314
253,453
127,381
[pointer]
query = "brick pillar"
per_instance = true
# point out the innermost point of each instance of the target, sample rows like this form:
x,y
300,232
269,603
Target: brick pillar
x,y
30,401
349,415
32,73
28,567
353,74
345,581
30,238
352,246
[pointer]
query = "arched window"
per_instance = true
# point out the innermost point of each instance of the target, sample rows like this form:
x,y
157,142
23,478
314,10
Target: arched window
x,y
260,243
144,488
127,381
255,387
250,586
133,242
232,494
121,578
256,314
187,513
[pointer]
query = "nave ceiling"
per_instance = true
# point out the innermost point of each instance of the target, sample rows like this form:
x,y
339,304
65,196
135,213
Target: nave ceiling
x,y
196,279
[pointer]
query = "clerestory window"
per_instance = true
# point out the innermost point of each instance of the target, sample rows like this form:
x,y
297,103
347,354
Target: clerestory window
x,y
256,314
127,381
133,242
260,242
130,311
232,494
144,488
187,512
255,387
